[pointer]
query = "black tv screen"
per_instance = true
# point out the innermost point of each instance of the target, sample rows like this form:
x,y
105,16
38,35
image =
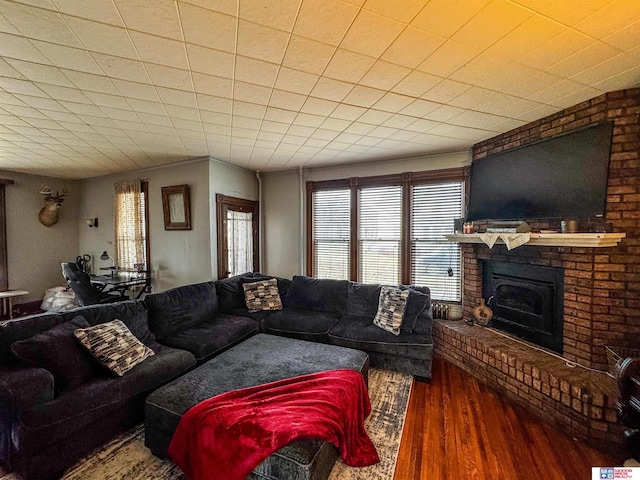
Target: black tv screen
x,y
563,177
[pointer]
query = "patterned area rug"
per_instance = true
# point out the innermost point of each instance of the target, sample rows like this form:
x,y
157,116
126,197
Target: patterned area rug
x,y
126,457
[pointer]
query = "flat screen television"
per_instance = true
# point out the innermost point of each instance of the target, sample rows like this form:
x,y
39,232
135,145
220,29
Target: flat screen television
x,y
562,177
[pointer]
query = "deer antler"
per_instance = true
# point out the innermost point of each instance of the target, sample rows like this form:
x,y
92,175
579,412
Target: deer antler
x,y
45,190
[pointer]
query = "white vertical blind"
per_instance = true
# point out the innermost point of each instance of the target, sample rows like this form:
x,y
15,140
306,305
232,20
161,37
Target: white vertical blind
x,y
434,206
380,234
240,242
331,232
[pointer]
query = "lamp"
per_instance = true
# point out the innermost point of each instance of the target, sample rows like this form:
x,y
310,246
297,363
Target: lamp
x,y
92,222
106,256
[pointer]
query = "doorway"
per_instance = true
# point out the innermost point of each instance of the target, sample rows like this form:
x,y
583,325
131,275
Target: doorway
x,y
237,230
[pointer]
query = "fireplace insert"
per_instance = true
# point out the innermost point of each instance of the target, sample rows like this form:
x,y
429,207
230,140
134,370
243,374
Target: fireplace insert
x,y
527,301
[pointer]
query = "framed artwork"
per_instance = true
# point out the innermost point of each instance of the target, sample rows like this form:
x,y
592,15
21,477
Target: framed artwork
x,y
176,208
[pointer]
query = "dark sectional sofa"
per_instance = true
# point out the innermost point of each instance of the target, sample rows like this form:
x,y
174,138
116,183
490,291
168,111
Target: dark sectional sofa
x,y
56,407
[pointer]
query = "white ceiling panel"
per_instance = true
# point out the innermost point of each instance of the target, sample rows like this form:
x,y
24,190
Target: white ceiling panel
x,y
92,88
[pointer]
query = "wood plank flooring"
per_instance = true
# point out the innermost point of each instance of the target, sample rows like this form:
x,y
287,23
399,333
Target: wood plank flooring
x,y
457,428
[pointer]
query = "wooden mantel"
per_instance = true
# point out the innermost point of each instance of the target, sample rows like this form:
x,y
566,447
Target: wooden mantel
x,y
553,239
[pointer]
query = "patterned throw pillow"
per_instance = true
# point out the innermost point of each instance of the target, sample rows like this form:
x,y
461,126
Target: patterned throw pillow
x,y
262,295
391,306
114,346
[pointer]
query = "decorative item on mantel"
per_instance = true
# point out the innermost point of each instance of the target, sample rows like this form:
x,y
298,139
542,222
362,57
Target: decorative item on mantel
x,y
455,311
482,313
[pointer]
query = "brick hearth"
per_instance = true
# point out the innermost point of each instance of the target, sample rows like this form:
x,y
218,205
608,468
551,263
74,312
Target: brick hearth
x,y
579,401
602,287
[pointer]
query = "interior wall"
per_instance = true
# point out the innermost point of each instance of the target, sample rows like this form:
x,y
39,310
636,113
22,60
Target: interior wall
x,y
178,257
228,180
284,246
34,252
281,202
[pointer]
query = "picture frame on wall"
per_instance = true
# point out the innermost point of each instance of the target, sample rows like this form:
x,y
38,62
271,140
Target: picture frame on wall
x,y
176,207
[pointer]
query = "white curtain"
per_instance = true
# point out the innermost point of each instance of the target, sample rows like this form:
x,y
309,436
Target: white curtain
x,y
130,224
240,242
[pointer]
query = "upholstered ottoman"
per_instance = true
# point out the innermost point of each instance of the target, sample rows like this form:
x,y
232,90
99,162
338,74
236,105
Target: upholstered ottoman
x,y
258,360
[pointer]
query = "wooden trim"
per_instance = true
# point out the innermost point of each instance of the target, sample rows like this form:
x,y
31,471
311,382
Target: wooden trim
x,y
405,252
6,181
310,251
328,184
4,274
225,203
443,175
354,234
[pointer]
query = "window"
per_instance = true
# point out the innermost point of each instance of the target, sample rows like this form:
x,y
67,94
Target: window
x,y
237,227
435,262
132,224
331,227
388,230
380,234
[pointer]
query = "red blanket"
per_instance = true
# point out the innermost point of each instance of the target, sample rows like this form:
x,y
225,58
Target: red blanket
x,y
228,435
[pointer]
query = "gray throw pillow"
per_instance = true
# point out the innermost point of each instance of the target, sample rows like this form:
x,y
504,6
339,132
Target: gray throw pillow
x,y
114,346
391,307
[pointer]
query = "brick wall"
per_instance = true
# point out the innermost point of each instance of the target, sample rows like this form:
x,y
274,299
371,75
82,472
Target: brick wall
x,y
602,285
601,296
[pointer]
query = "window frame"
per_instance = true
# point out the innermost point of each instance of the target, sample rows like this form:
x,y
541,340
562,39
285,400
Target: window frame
x,y
224,203
406,180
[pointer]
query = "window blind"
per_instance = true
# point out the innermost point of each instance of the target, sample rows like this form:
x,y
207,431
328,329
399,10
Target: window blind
x,y
435,262
380,234
131,224
331,233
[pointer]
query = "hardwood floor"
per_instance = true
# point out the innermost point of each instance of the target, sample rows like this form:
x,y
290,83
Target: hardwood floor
x,y
457,428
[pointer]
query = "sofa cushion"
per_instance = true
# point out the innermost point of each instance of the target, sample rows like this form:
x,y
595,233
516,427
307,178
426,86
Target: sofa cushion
x,y
114,346
134,314
262,295
38,427
23,328
58,351
362,299
391,307
361,334
181,308
317,294
207,339
244,312
416,305
230,293
302,324
424,321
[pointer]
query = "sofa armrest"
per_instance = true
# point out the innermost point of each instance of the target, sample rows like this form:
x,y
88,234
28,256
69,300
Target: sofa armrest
x,y
23,387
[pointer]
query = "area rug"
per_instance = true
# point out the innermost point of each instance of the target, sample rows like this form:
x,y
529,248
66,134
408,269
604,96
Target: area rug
x,y
126,457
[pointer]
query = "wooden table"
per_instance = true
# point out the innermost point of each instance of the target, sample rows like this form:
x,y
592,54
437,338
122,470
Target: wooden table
x,y
7,301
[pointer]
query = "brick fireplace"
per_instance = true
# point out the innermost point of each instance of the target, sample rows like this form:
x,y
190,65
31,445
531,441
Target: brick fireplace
x,y
601,288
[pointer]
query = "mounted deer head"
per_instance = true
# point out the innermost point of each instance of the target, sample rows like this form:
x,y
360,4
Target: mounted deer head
x,y
49,213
